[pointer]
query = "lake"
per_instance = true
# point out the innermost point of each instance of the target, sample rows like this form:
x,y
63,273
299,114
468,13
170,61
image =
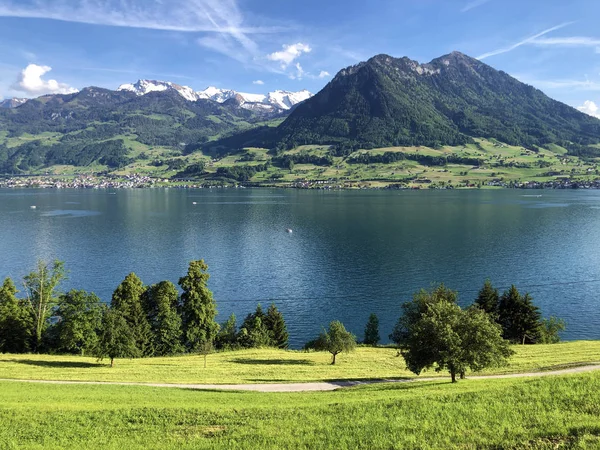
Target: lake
x,y
350,253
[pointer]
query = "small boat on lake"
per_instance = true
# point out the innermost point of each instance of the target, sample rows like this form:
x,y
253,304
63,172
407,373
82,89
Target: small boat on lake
x,y
288,230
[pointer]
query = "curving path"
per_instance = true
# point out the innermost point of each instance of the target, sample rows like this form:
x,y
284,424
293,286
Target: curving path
x,y
313,386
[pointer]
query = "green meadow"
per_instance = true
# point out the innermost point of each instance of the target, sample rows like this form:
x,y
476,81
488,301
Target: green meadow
x,y
275,366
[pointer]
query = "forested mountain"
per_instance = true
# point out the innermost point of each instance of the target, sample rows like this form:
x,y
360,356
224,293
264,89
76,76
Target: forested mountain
x,y
382,102
388,101
95,125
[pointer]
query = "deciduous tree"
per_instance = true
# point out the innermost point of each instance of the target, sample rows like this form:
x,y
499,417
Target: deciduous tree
x,y
15,321
127,300
161,303
41,288
80,317
336,340
116,338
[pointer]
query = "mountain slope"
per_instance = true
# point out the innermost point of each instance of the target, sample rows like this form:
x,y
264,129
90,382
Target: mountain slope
x,y
389,101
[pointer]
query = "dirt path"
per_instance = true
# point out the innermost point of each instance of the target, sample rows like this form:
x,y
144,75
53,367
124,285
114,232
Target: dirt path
x,y
315,386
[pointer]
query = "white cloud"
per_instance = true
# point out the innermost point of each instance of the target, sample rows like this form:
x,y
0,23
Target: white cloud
x,y
573,41
324,74
259,82
528,40
289,54
474,4
31,82
299,73
589,107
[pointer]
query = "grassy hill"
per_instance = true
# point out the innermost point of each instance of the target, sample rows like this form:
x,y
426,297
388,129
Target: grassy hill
x,y
544,413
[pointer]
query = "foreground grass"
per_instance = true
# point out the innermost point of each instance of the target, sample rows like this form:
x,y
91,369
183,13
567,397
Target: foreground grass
x,y
548,413
272,366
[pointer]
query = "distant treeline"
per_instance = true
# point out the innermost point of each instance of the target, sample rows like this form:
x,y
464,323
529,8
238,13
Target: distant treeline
x,y
426,160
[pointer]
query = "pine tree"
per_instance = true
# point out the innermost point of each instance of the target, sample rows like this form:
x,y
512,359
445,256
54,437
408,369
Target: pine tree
x,y
275,324
519,317
16,322
372,331
488,299
127,300
161,302
198,307
253,332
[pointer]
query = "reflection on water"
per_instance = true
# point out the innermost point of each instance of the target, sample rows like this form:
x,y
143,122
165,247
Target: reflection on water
x,y
350,253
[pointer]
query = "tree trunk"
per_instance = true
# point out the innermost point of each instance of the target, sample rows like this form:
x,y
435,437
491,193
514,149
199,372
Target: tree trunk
x,y
462,374
453,375
333,360
205,360
112,362
524,336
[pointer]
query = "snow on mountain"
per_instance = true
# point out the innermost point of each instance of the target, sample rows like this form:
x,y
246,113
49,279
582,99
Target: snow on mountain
x,y
143,87
286,99
277,100
12,102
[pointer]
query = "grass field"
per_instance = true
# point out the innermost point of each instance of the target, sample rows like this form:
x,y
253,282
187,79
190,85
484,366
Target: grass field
x,y
535,413
550,413
501,163
275,366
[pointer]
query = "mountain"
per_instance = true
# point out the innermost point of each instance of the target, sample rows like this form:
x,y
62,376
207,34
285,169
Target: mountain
x,y
275,101
12,102
112,128
389,101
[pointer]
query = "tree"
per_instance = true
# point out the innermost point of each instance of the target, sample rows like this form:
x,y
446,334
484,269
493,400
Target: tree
x,y
198,307
412,311
488,299
227,336
15,321
336,340
372,330
253,332
550,330
161,302
127,300
116,338
80,317
41,289
519,317
276,327
448,338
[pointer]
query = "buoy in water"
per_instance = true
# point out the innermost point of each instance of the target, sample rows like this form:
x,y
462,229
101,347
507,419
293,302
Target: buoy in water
x,y
33,207
288,230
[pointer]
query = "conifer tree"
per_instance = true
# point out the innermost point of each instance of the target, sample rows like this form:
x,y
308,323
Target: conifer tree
x,y
276,327
488,299
519,317
127,300
198,308
372,331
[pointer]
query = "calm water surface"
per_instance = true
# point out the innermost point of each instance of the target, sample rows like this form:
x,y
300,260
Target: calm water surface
x,y
350,253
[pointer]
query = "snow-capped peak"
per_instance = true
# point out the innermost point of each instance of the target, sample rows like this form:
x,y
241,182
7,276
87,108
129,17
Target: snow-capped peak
x,y
143,87
276,100
12,102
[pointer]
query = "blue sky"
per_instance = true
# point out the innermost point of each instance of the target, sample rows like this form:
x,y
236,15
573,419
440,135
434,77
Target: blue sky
x,y
259,45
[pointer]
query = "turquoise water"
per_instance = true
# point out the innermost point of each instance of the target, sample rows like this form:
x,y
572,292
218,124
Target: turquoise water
x,y
350,253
